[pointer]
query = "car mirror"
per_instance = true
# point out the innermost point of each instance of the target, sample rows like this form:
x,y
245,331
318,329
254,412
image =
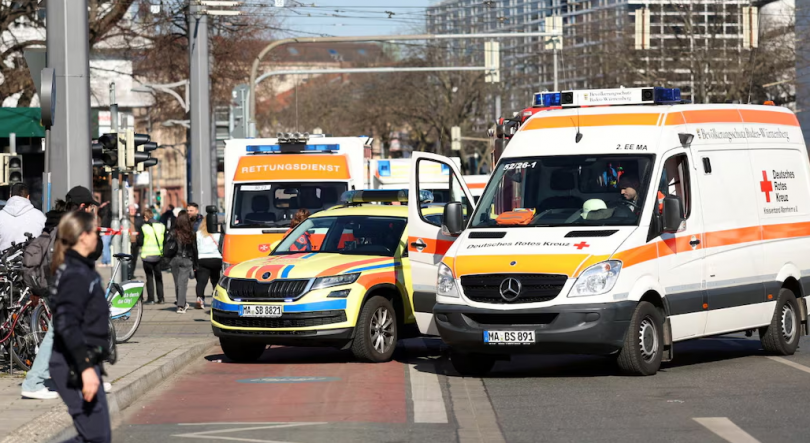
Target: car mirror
x,y
672,215
453,219
211,220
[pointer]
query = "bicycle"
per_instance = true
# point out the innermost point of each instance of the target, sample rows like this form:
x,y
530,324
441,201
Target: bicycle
x,y
16,310
126,304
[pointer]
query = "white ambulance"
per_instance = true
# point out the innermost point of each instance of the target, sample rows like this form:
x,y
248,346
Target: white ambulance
x,y
618,225
268,180
396,173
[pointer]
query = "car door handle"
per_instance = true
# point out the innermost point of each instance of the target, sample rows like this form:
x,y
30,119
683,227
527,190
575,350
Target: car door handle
x,y
419,244
694,242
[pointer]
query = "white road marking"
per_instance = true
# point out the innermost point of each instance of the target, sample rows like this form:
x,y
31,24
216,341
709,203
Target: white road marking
x,y
791,364
726,429
426,394
207,434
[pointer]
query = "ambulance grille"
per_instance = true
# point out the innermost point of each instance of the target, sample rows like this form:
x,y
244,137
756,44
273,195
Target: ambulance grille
x,y
276,290
292,320
535,288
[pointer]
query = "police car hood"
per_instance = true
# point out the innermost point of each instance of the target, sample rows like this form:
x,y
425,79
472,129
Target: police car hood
x,y
308,265
547,250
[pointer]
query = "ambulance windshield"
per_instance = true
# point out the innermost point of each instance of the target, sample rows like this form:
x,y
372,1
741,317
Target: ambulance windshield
x,y
353,235
272,205
572,190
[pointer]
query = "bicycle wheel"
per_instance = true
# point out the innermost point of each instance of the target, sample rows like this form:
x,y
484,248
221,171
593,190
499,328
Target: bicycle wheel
x,y
126,325
24,345
40,322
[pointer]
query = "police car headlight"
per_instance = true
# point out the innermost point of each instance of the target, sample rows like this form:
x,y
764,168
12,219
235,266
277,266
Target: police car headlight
x,y
335,280
225,283
598,279
446,284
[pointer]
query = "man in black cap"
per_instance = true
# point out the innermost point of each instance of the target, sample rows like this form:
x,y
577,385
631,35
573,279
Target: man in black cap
x,y
629,185
80,198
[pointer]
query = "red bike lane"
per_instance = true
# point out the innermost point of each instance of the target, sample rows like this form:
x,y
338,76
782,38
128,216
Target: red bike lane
x,y
286,385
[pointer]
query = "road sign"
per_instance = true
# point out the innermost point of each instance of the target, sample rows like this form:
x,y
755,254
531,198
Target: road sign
x,y
492,61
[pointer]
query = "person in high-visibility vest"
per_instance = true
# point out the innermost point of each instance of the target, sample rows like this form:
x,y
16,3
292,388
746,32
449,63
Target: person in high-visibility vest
x,y
151,238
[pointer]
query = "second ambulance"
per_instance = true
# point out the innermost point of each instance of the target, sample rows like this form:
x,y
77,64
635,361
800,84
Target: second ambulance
x,y
618,225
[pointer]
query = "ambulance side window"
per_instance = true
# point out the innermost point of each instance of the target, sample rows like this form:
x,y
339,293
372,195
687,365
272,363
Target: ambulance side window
x,y
445,187
675,183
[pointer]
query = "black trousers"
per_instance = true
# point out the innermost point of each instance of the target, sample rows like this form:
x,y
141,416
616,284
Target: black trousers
x,y
92,420
134,249
208,270
153,277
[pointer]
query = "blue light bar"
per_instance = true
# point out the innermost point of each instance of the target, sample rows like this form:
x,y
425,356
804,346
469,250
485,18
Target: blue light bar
x,y
382,196
304,148
445,169
384,168
667,95
547,99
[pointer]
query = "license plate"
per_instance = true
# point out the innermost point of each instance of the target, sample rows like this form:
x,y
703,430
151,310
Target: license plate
x,y
508,337
261,311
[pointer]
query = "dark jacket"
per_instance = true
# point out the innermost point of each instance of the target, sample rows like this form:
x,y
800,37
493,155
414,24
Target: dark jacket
x,y
80,312
187,250
168,219
105,215
197,222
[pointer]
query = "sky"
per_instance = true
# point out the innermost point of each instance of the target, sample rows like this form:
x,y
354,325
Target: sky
x,y
354,17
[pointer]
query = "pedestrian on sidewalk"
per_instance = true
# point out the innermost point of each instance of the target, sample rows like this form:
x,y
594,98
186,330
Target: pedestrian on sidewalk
x,y
36,275
105,221
19,217
210,262
80,321
195,216
134,231
184,264
150,241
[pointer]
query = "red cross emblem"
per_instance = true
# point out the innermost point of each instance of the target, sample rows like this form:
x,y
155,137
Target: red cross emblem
x,y
581,245
766,186
264,248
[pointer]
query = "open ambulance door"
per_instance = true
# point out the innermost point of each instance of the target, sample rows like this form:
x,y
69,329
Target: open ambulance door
x,y
426,242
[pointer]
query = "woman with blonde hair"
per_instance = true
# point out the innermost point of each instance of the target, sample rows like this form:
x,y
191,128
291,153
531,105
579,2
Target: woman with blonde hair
x,y
80,320
209,262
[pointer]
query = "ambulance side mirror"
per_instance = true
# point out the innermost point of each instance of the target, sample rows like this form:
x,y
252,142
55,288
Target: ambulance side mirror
x,y
453,219
672,215
211,219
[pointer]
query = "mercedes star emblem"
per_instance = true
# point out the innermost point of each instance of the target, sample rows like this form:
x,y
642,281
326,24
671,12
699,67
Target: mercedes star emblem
x,y
510,289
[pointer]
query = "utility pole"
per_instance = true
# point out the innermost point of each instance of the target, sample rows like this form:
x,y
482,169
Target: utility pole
x,y
200,141
69,160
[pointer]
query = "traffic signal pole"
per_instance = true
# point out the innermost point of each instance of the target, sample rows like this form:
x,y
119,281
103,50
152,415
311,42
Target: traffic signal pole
x,y
200,108
69,160
115,201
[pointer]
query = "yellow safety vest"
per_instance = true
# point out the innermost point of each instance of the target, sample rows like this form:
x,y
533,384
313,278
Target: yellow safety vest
x,y
153,236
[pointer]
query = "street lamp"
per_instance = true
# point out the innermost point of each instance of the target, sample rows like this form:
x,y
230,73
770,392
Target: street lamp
x,y
172,123
168,88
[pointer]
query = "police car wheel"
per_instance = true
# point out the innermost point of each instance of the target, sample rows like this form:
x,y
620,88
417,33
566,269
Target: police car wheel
x,y
241,352
781,337
644,341
375,337
472,365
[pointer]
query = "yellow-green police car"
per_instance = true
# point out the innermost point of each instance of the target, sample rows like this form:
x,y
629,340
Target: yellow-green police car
x,y
341,278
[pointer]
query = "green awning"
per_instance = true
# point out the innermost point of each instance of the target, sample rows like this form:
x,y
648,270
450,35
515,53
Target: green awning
x,y
25,122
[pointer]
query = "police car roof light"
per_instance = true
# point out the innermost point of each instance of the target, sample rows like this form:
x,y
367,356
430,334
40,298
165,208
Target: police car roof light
x,y
357,197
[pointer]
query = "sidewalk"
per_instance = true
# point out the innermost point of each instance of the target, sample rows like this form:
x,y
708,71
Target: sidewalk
x,y
164,342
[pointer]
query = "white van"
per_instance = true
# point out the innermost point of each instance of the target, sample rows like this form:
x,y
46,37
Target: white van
x,y
618,230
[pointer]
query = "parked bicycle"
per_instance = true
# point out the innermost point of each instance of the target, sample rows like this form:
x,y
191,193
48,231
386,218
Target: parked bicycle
x,y
126,303
19,340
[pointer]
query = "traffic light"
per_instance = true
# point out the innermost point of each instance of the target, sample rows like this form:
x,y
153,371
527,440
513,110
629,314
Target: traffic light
x,y
14,167
157,197
138,151
10,169
105,151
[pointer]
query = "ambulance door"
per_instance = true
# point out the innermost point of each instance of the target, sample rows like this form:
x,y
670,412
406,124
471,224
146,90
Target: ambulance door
x,y
426,243
681,254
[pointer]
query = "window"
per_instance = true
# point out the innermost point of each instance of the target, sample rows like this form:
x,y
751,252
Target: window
x,y
356,235
440,180
675,182
272,205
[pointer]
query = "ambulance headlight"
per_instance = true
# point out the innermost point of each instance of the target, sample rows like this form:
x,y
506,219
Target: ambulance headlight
x,y
335,280
598,279
446,284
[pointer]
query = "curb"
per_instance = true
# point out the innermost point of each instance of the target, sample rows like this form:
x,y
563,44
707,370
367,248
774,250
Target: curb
x,y
56,425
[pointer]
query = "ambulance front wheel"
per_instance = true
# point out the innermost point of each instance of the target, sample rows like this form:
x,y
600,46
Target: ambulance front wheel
x,y
644,341
241,352
375,337
781,337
